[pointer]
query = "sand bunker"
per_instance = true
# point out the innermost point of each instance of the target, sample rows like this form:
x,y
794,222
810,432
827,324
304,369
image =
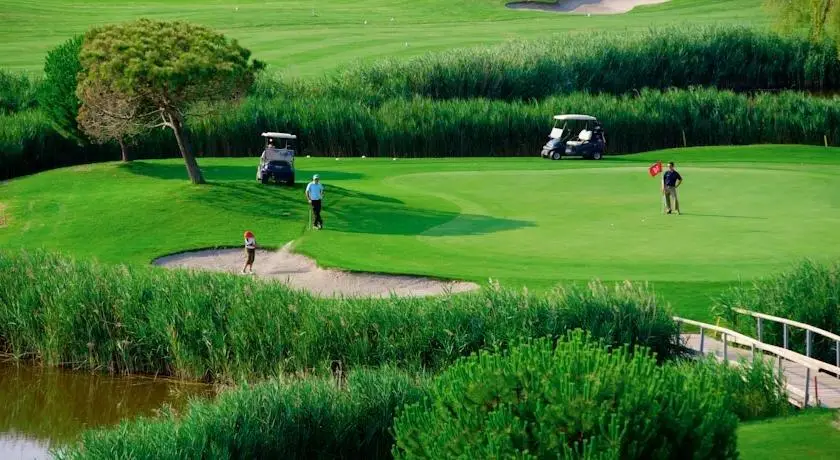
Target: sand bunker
x,y
301,272
584,6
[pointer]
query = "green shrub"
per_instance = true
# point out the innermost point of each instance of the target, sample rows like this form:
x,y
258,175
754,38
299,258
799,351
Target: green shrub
x,y
575,400
809,293
218,326
57,94
17,92
753,388
309,418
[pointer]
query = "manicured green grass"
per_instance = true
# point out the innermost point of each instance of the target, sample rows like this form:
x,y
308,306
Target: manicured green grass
x,y
527,222
287,35
814,435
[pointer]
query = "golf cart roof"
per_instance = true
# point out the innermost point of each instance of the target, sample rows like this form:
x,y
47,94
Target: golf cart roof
x,y
575,117
279,135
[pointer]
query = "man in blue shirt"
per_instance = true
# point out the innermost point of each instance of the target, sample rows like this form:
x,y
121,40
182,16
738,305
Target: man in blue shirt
x,y
670,181
315,193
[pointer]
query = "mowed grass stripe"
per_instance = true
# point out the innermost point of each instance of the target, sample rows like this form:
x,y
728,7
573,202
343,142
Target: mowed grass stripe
x,y
275,30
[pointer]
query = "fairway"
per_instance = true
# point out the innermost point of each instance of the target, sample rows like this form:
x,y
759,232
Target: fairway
x,y
290,38
748,211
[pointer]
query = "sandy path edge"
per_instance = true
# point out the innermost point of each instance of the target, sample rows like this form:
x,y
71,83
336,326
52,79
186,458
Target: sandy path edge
x,y
301,272
583,6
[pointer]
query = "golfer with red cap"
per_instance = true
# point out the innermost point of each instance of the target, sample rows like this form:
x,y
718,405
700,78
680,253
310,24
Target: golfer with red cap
x,y
250,251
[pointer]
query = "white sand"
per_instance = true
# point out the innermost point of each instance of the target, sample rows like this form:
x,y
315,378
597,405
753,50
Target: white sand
x,y
585,6
300,272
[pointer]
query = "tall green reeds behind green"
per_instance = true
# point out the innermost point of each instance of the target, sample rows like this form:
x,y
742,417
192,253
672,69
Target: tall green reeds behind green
x,y
736,58
217,327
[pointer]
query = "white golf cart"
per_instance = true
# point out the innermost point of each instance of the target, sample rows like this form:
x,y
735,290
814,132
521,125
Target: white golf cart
x,y
278,158
575,135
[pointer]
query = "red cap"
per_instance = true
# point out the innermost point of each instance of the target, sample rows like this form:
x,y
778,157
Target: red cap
x,y
249,234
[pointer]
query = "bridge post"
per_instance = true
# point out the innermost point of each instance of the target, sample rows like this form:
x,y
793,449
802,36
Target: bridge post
x,y
807,384
703,340
785,335
725,349
837,352
808,343
758,326
781,368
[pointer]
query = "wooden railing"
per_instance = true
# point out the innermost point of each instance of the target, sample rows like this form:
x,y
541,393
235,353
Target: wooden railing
x,y
812,366
786,323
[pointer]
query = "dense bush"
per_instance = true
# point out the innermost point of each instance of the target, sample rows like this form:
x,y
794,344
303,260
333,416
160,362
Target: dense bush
x,y
57,95
809,293
575,400
17,92
217,326
311,418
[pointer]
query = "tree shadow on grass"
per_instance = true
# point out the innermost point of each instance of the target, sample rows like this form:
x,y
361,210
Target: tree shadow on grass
x,y
346,211
177,171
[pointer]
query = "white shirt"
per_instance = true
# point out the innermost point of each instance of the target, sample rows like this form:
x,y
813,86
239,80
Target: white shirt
x,y
314,191
250,243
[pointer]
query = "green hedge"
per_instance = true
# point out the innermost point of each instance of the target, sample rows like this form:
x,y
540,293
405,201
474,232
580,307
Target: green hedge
x,y
808,293
577,400
310,418
218,326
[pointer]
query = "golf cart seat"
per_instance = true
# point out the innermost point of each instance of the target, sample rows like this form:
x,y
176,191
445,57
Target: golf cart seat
x,y
585,135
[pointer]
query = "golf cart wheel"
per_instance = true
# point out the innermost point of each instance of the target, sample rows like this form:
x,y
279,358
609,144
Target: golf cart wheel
x,y
291,180
264,179
597,156
555,155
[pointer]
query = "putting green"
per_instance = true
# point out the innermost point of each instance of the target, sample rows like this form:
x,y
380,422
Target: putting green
x,y
589,223
748,212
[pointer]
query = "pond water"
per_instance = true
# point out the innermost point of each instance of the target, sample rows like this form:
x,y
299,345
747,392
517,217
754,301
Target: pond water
x,y
45,408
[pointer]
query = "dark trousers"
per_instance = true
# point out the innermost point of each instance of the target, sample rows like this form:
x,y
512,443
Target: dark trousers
x,y
316,211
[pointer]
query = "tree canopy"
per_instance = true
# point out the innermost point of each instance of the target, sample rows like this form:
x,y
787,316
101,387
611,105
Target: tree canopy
x,y
145,74
57,93
820,17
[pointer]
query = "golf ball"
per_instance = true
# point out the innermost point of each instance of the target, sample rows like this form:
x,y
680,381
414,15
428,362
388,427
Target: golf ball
x,y
308,156
363,156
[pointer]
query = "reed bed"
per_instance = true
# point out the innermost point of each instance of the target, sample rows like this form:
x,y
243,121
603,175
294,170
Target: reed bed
x,y
218,327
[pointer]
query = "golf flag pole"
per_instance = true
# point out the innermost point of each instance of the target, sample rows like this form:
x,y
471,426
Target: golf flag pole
x,y
654,170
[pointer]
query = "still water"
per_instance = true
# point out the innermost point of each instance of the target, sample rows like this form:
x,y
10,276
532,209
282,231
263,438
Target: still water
x,y
45,408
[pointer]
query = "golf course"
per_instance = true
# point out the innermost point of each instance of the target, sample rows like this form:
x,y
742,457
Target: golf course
x,y
479,288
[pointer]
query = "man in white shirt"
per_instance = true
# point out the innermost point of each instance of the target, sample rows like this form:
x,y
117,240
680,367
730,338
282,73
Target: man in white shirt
x,y
315,193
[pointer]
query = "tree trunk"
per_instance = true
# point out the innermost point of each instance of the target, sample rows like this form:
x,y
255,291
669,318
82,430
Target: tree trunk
x,y
184,145
124,151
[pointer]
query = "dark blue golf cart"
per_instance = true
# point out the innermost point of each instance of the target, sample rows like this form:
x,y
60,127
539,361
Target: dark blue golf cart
x,y
575,136
277,161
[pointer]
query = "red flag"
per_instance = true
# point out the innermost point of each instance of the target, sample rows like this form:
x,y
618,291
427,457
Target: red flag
x,y
655,169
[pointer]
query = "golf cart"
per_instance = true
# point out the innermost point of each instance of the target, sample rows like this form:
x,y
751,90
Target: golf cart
x,y
575,135
278,158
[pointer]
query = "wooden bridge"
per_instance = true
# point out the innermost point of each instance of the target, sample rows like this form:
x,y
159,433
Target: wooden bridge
x,y
808,381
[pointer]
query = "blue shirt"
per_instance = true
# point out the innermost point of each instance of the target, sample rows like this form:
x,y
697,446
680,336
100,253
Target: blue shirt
x,y
314,191
670,178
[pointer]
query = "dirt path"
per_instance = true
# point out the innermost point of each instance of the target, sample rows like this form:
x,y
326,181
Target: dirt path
x,y
584,6
301,272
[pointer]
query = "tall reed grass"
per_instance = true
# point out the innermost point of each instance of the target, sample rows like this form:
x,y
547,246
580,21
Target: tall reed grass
x,y
422,127
217,327
310,418
736,58
808,293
